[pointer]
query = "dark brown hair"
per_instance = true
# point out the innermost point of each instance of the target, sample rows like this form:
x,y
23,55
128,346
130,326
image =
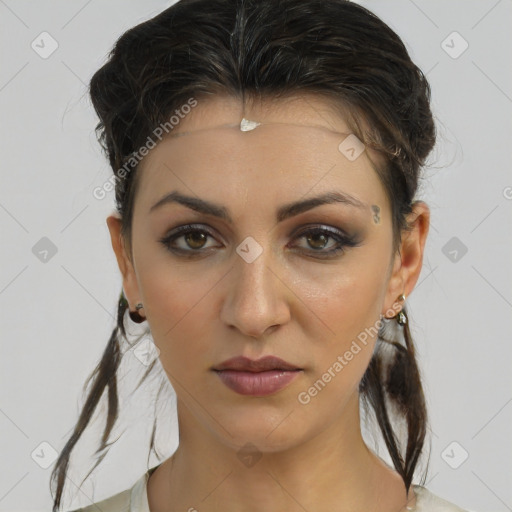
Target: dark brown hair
x,y
271,49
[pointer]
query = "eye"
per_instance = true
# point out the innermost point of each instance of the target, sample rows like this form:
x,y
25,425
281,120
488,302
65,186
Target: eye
x,y
193,236
318,237
194,239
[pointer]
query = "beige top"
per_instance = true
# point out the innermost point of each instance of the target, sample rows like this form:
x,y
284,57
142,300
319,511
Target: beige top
x,y
135,499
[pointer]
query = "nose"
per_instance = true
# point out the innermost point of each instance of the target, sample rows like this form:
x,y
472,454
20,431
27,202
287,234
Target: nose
x,y
257,298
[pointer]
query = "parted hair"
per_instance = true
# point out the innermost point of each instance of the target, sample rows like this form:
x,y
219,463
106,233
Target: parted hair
x,y
270,49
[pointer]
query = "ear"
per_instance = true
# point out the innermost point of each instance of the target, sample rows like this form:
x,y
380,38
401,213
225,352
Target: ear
x,y
130,285
409,260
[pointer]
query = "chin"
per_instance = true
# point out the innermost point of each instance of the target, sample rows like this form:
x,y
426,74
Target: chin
x,y
269,431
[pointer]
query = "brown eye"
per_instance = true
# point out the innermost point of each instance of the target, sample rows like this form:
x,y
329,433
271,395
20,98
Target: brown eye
x,y
317,240
196,239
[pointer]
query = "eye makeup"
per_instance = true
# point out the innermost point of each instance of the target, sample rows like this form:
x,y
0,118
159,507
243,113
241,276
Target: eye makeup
x,y
312,234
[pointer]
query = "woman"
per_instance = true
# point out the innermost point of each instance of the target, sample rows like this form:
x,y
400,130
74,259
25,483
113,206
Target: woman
x,y
266,156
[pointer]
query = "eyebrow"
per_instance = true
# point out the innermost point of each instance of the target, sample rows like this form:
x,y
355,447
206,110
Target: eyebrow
x,y
284,212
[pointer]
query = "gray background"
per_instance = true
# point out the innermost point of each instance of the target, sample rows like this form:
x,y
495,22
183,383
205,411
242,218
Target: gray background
x,y
57,313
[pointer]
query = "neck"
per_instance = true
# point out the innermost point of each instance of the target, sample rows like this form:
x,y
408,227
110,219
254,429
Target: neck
x,y
331,470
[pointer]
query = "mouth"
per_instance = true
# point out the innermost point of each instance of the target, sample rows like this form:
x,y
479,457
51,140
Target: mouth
x,y
259,377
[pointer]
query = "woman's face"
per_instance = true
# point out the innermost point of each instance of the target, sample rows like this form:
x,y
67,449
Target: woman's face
x,y
255,281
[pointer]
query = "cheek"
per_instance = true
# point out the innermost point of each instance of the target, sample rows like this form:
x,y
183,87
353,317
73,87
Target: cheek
x,y
349,306
347,299
177,312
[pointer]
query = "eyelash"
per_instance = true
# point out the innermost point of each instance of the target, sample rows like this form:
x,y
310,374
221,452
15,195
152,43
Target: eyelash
x,y
343,241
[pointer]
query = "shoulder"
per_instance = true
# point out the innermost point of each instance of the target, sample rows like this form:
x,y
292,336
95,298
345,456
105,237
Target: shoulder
x,y
427,501
118,503
129,500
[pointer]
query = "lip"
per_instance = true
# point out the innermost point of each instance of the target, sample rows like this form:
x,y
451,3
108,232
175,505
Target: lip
x,y
258,377
244,364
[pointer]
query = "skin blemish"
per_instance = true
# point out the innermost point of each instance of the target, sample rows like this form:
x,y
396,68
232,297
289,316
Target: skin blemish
x,y
376,213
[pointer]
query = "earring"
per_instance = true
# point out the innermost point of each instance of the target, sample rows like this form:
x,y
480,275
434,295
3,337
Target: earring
x,y
401,317
135,315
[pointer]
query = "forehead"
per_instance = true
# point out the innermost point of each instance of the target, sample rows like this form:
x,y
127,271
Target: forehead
x,y
306,110
296,144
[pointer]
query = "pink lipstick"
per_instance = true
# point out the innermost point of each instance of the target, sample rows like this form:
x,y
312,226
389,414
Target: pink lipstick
x,y
258,377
